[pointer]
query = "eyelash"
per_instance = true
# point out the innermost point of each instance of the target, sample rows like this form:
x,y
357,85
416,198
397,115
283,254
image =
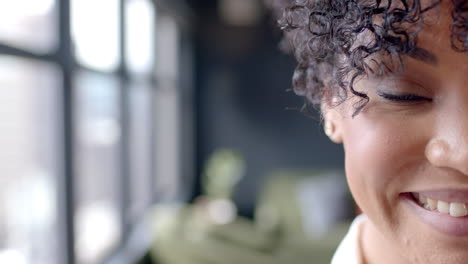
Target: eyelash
x,y
404,97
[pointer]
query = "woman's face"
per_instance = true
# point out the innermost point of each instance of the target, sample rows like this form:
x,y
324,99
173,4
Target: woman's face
x,y
412,139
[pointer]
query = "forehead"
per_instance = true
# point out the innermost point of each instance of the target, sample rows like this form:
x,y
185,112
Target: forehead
x,y
433,42
437,29
435,37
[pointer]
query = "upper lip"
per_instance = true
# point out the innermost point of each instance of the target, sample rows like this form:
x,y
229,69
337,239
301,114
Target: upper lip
x,y
447,195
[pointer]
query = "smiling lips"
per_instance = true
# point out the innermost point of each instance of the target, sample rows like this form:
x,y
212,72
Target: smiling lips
x,y
455,209
444,210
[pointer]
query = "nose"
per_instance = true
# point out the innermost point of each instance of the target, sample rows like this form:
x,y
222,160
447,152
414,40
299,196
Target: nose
x,y
448,146
450,150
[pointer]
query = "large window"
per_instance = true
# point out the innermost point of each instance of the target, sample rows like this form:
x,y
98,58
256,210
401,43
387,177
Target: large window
x,y
29,160
31,25
98,142
90,114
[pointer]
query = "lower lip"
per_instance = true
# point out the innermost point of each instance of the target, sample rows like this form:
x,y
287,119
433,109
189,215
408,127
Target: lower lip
x,y
444,223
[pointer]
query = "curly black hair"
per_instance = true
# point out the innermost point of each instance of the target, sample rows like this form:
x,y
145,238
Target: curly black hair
x,y
338,41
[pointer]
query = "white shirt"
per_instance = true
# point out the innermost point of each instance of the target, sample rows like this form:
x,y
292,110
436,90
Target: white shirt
x,y
348,252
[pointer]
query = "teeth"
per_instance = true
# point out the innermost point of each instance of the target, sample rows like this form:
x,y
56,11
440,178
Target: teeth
x,y
443,207
454,209
458,209
422,199
432,204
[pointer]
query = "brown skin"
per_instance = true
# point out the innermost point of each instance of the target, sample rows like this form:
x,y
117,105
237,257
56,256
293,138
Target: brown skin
x,y
396,147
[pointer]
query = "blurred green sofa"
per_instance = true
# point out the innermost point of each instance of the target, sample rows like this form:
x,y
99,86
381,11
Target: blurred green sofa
x,y
300,218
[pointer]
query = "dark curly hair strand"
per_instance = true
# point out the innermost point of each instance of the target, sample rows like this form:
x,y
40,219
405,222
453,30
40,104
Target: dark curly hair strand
x,y
336,42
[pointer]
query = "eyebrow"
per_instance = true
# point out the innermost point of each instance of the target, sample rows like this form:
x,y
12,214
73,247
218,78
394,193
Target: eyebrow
x,y
424,55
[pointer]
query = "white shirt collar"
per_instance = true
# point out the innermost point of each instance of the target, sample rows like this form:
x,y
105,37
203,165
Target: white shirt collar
x,y
348,252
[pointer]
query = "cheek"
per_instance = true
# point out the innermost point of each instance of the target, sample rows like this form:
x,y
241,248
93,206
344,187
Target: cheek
x,y
378,153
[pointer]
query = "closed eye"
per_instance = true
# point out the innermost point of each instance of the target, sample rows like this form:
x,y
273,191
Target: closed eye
x,y
404,98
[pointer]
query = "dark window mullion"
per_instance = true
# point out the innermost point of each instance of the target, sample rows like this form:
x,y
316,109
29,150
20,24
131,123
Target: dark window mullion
x,y
152,140
153,85
18,52
66,186
125,182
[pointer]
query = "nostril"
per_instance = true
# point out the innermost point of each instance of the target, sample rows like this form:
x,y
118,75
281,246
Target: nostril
x,y
462,161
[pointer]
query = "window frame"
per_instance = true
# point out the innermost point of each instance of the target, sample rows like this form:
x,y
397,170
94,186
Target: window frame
x,y
65,61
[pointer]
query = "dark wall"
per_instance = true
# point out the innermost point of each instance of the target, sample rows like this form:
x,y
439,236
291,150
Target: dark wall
x,y
243,103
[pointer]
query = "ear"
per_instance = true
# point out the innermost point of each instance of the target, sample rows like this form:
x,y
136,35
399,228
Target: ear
x,y
332,122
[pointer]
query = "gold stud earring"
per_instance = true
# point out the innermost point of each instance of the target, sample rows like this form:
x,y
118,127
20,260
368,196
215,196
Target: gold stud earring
x,y
329,128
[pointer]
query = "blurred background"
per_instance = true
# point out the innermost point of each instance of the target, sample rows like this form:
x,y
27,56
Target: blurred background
x,y
109,108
